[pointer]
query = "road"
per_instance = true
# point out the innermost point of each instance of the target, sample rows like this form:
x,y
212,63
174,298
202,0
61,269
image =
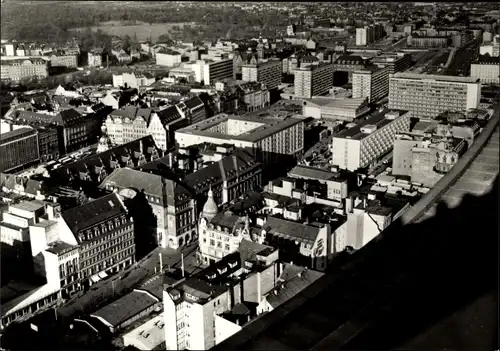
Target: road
x,y
460,65
110,289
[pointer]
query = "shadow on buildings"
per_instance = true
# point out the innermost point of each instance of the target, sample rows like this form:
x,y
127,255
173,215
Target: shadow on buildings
x,y
145,223
425,286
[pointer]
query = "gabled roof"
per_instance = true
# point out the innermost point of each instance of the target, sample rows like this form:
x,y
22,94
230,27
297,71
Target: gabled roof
x,y
132,112
229,167
168,115
68,117
277,226
194,103
169,192
93,213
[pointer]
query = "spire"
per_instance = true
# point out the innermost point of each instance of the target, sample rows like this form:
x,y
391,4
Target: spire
x,y
210,209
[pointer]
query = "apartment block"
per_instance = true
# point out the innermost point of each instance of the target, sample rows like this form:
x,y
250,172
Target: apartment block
x,y
210,72
369,34
371,83
64,61
27,68
429,95
268,73
313,80
362,145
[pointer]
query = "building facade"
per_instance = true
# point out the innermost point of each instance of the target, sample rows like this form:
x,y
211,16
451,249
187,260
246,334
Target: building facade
x,y
94,59
362,145
268,73
267,139
313,80
486,69
18,148
18,69
335,109
104,234
372,83
70,61
168,58
428,95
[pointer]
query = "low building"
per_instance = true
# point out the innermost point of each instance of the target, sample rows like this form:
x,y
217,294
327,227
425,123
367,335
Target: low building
x,y
333,109
94,58
363,144
415,40
132,80
19,148
147,336
168,58
127,309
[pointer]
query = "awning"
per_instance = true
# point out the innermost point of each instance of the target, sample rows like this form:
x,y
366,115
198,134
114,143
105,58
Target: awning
x,y
95,278
102,275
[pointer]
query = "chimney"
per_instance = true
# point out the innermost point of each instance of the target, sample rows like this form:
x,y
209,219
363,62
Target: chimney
x,y
141,146
349,204
364,203
259,292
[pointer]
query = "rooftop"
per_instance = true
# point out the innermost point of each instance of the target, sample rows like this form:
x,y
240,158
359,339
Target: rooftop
x,y
378,120
60,248
8,136
149,335
416,76
126,307
289,229
301,171
94,212
29,206
267,127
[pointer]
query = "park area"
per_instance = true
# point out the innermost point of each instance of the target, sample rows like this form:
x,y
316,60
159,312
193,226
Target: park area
x,y
137,29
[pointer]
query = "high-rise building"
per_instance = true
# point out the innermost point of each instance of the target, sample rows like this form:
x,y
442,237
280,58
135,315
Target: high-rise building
x,y
429,95
362,145
210,71
372,83
313,80
369,34
268,73
397,62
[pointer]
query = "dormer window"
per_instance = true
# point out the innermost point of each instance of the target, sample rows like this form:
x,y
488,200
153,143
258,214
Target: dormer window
x,y
232,264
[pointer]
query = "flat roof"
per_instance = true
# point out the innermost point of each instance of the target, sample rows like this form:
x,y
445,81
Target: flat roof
x,y
60,247
269,127
148,335
29,206
377,120
453,79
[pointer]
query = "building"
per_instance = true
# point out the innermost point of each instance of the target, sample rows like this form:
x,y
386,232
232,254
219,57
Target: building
x,y
48,143
486,69
104,233
94,58
491,47
268,73
369,34
209,307
18,148
418,41
132,80
75,129
269,139
209,72
61,60
16,70
313,80
371,82
425,158
172,204
398,62
333,109
168,58
193,109
429,95
130,123
345,65
362,145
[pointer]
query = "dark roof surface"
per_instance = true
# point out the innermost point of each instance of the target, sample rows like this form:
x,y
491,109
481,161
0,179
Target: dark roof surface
x,y
94,212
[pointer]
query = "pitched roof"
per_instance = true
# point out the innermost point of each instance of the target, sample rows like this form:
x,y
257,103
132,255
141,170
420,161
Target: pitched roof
x,y
94,212
193,103
229,167
277,226
169,114
132,112
169,192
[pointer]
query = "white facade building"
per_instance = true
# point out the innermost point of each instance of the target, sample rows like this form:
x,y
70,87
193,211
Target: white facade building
x,y
168,58
360,146
335,109
427,96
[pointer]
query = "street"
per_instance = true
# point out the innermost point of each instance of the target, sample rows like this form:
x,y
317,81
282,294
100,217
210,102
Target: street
x,y
116,286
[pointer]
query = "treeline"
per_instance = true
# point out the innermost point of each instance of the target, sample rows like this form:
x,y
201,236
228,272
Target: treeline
x,y
52,22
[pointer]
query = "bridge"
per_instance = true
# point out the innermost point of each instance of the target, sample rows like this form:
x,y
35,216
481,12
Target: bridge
x,y
437,259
